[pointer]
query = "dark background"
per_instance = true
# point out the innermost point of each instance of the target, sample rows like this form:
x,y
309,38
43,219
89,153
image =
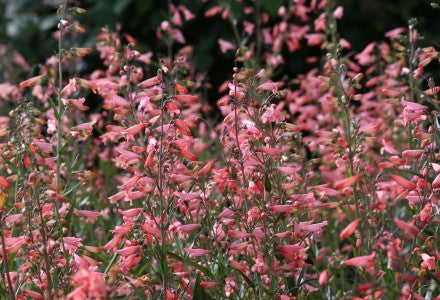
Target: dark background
x,y
27,25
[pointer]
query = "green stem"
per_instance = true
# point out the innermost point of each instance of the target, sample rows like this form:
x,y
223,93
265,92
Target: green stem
x,y
11,294
161,204
59,134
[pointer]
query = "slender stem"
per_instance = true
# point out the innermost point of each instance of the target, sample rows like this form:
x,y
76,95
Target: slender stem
x,y
161,203
60,103
44,241
5,262
345,103
240,156
59,132
411,66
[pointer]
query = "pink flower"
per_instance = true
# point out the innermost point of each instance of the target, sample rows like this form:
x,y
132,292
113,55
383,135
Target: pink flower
x,y
195,252
213,11
187,99
226,46
349,229
407,227
436,181
236,234
69,89
347,182
393,34
412,153
209,284
206,168
31,81
259,266
403,182
323,278
282,208
76,104
90,285
128,250
13,244
151,82
272,151
130,183
428,261
339,12
133,130
365,57
90,215
425,214
269,86
72,244
131,213
33,295
295,253
314,39
361,261
188,228
113,243
272,115
309,227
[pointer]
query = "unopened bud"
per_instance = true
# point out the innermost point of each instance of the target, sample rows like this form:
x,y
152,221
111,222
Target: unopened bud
x,y
80,52
78,10
77,28
3,199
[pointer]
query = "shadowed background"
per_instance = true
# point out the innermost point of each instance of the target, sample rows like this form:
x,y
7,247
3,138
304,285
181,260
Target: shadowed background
x,y
27,26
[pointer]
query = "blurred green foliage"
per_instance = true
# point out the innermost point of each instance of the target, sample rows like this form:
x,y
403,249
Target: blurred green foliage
x,y
27,26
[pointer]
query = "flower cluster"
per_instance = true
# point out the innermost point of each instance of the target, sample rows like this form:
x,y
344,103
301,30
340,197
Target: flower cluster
x,y
128,182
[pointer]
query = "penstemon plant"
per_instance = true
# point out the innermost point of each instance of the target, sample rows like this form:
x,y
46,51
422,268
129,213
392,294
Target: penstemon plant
x,y
130,182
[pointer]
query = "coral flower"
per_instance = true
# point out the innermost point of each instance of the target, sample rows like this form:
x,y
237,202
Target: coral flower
x,y
31,81
187,99
323,278
208,284
347,182
428,261
361,261
188,228
127,251
196,252
403,182
349,229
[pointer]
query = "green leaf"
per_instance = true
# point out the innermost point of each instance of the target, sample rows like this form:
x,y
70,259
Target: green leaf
x,y
302,275
55,109
290,283
70,212
437,131
201,268
139,293
246,278
10,164
64,148
432,276
267,183
199,292
346,211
